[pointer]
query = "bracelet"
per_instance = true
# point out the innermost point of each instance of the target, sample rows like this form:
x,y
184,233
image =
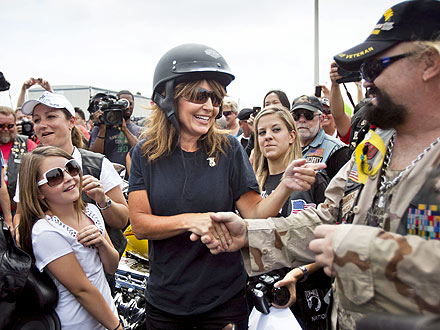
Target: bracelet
x,y
101,137
305,273
117,327
108,203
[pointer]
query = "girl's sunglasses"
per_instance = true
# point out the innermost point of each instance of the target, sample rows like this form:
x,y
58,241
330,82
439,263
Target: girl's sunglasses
x,y
55,176
201,95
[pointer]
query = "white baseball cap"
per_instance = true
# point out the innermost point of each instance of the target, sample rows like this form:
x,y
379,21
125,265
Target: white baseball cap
x,y
52,100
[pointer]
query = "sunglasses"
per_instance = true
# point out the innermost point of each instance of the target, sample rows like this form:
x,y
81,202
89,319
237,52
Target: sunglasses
x,y
227,113
8,126
326,111
55,176
308,115
201,96
372,69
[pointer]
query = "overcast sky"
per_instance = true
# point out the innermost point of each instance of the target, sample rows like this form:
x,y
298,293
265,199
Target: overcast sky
x,y
116,44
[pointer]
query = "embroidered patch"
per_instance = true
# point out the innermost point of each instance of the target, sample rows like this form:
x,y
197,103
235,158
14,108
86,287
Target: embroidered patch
x,y
315,153
348,203
372,150
354,175
313,160
299,205
424,221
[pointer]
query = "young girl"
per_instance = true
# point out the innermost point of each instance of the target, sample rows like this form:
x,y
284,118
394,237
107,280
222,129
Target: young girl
x,y
68,238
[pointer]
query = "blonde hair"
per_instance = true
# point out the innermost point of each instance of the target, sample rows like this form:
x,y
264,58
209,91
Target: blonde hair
x,y
33,207
4,110
261,166
161,135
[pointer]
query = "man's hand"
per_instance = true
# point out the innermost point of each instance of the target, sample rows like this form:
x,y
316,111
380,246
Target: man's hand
x,y
236,235
28,83
299,175
44,83
334,75
322,247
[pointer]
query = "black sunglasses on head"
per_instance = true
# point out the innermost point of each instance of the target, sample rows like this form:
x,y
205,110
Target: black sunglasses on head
x,y
201,95
372,69
55,176
308,115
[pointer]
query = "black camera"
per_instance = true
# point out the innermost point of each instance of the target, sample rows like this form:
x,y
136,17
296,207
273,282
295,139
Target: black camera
x,y
4,84
112,108
263,293
348,76
27,127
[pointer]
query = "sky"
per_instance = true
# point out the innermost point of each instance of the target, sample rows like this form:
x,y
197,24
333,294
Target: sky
x,y
116,44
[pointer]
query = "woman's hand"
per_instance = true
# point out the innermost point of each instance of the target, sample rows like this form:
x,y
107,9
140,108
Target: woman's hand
x,y
300,175
289,281
93,188
90,235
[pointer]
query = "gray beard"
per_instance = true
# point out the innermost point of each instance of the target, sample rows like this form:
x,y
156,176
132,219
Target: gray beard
x,y
5,139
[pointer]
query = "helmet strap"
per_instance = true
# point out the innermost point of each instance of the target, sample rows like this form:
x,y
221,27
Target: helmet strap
x,y
166,103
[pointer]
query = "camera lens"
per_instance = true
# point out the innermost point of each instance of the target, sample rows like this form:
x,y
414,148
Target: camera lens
x,y
280,296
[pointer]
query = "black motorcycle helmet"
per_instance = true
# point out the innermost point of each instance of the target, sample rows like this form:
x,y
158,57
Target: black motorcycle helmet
x,y
188,62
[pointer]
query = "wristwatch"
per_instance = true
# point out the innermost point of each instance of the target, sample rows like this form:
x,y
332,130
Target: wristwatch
x,y
305,273
108,203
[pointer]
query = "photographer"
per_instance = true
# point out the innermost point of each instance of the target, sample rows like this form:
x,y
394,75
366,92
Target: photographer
x,y
113,141
13,146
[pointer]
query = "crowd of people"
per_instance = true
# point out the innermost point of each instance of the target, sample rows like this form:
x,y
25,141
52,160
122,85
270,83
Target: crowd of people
x,y
342,206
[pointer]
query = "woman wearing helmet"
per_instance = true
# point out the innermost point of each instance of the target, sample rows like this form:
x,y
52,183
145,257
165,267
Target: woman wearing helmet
x,y
184,169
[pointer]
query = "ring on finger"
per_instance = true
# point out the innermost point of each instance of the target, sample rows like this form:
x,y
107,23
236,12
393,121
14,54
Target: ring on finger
x,y
93,235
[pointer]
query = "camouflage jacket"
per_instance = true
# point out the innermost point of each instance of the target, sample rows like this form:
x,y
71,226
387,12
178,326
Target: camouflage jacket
x,y
377,271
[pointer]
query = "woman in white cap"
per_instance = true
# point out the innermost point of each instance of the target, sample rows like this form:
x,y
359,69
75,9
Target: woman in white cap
x,y
54,120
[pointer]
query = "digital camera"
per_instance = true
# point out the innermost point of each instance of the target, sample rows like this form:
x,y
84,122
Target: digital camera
x,y
112,108
27,127
263,293
348,76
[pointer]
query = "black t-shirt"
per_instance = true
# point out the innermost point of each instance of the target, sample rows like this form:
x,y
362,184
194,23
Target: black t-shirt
x,y
185,278
298,200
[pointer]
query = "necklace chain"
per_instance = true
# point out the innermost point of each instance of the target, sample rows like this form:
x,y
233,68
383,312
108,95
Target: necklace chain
x,y
384,185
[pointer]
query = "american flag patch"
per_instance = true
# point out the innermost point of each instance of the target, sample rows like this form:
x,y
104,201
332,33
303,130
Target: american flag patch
x,y
354,175
315,153
299,205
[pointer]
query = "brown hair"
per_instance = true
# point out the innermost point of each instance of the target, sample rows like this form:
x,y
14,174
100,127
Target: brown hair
x,y
161,135
33,207
260,164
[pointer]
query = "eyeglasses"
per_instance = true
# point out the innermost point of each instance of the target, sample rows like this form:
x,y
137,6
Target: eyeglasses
x,y
227,113
326,111
372,69
201,95
55,176
8,126
308,115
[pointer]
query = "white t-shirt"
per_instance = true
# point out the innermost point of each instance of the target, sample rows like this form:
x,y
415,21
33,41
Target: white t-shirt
x,y
52,239
108,176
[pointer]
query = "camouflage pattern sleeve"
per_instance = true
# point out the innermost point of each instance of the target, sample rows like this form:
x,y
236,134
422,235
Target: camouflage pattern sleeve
x,y
284,242
382,271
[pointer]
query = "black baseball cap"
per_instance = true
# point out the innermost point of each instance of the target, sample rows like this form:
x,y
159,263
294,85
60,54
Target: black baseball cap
x,y
245,114
311,103
415,20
